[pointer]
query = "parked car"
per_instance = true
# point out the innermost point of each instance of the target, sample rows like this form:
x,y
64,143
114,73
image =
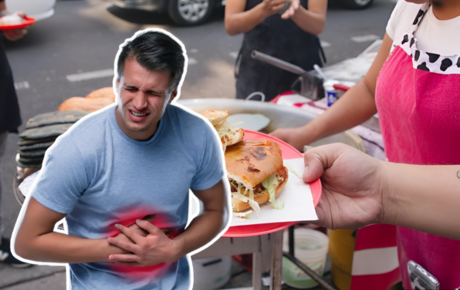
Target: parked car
x,y
193,12
38,9
357,4
182,12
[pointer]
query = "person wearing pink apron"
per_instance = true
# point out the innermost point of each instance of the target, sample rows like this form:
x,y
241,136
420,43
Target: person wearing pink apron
x,y
417,96
418,100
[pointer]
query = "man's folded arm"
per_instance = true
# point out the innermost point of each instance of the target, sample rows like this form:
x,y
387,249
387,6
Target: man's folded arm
x,y
35,240
211,222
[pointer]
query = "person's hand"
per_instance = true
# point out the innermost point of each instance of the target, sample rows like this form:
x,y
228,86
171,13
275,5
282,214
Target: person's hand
x,y
295,4
136,229
296,137
147,244
352,183
15,34
272,6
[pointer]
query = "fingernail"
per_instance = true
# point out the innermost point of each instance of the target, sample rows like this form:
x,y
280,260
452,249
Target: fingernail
x,y
138,220
117,226
305,172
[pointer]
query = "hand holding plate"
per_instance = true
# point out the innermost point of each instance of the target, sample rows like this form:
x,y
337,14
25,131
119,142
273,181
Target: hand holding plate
x,y
18,33
352,186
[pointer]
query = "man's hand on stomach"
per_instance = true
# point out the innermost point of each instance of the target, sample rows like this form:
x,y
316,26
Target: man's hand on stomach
x,y
145,244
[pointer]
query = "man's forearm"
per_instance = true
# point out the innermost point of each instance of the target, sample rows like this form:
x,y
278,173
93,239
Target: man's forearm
x,y
56,247
200,231
35,239
425,198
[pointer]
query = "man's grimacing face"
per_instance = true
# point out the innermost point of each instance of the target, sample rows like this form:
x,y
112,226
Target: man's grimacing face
x,y
142,98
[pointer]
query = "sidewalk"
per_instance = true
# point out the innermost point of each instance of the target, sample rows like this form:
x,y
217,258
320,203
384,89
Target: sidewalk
x,y
35,277
54,278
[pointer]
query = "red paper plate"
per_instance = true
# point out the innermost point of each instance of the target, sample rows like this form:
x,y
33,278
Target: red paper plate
x,y
27,21
288,152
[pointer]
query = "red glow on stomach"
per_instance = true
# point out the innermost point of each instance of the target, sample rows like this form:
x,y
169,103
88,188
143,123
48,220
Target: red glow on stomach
x,y
151,272
129,217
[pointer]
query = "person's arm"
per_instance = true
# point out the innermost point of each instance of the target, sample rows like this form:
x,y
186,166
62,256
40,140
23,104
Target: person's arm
x,y
36,240
156,247
311,20
424,198
239,21
359,190
353,108
57,189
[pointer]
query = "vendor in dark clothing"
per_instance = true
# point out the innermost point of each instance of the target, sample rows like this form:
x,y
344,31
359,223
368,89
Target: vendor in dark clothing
x,y
10,120
291,37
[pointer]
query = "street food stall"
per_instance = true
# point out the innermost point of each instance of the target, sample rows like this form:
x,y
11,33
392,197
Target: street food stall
x,y
291,109
248,239
264,240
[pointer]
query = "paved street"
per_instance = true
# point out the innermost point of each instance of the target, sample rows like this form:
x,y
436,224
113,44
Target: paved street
x,y
72,53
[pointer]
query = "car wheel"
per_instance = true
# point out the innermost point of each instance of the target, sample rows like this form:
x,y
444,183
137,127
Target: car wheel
x,y
357,4
190,12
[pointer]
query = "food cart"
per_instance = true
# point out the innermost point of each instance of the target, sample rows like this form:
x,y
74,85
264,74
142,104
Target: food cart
x,y
266,241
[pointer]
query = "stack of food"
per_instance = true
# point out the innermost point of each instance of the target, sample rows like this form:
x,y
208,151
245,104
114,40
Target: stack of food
x,y
255,168
41,132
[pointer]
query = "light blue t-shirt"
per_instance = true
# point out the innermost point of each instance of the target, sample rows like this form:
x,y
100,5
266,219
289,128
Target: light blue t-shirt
x,y
98,176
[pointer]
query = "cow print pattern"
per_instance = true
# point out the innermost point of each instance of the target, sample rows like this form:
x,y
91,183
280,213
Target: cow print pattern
x,y
419,14
445,64
433,57
426,61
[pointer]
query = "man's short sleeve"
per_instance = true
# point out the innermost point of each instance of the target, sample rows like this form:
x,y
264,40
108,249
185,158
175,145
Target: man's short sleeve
x,y
211,168
63,177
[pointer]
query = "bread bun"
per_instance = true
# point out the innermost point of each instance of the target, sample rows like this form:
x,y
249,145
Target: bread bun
x,y
106,93
235,137
79,103
215,117
250,162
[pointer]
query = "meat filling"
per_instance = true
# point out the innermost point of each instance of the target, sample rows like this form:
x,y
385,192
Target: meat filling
x,y
282,172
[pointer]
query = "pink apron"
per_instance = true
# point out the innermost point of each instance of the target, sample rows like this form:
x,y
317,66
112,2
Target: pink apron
x,y
418,100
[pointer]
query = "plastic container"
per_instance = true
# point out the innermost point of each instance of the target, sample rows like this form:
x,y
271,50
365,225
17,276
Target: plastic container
x,y
311,249
212,273
331,93
341,247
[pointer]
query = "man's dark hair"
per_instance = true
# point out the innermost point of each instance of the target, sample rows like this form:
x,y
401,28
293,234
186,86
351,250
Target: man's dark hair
x,y
154,51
